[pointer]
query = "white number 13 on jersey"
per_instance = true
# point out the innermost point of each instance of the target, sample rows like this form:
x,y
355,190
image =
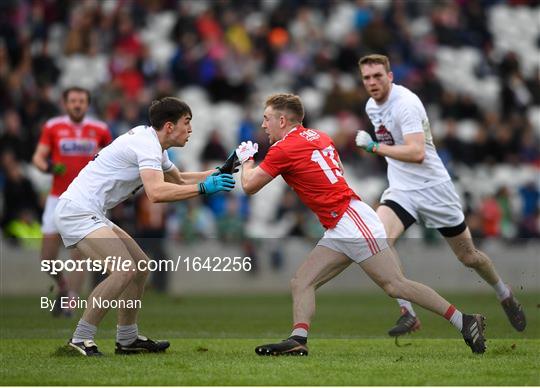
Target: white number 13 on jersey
x,y
321,159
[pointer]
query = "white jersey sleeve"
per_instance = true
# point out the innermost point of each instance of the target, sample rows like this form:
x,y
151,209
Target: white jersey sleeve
x,y
166,163
148,156
409,118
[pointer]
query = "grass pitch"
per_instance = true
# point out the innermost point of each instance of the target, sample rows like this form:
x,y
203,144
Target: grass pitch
x,y
213,341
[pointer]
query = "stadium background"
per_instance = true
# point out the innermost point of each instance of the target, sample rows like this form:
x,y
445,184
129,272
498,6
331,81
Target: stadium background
x,y
474,64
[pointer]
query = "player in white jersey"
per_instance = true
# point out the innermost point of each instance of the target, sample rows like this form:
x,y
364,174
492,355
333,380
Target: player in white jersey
x,y
420,187
134,160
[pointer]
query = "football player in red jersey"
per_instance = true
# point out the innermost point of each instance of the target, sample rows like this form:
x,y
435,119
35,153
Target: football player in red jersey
x,y
66,145
308,161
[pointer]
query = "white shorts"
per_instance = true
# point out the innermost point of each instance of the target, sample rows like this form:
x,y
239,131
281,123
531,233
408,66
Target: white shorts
x,y
75,222
435,207
47,220
359,234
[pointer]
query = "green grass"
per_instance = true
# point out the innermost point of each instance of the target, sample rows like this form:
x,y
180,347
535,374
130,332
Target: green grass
x,y
213,341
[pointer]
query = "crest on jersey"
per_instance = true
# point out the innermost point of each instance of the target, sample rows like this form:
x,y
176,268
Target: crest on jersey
x,y
77,146
310,135
384,135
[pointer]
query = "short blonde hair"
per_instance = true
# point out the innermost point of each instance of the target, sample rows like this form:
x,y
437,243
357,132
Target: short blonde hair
x,y
375,59
289,103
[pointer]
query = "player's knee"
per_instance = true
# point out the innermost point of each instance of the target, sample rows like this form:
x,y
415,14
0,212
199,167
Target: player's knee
x,y
294,284
124,277
470,257
142,270
391,241
391,288
298,284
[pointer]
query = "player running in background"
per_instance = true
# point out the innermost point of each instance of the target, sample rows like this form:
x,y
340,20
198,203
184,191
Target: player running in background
x,y
66,145
134,160
309,163
420,187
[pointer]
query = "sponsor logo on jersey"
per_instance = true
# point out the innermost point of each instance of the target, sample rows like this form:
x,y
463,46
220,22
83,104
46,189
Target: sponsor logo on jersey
x,y
77,146
310,135
384,136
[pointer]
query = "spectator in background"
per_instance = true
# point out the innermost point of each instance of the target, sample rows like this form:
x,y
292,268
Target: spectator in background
x,y
21,203
12,139
231,53
491,217
213,150
507,226
529,226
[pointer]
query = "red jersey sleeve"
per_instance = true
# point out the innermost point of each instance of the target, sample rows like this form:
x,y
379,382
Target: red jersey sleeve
x,y
46,137
275,162
106,138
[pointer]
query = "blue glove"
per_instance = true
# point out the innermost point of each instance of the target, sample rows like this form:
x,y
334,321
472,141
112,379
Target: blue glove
x,y
372,147
214,183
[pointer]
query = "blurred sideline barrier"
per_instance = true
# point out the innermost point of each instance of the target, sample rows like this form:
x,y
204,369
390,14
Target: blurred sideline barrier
x,y
518,264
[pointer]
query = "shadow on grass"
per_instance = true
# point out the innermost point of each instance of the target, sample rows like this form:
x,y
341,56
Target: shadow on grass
x,y
65,351
503,349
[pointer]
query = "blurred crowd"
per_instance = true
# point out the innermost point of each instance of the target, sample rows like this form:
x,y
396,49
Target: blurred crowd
x,y
129,52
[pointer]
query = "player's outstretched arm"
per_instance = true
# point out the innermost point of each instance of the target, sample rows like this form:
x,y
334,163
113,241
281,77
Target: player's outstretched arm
x,y
158,190
186,178
254,178
174,176
190,178
413,151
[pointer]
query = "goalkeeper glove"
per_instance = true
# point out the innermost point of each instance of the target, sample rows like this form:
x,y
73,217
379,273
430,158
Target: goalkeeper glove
x,y
56,168
230,166
246,150
214,183
364,140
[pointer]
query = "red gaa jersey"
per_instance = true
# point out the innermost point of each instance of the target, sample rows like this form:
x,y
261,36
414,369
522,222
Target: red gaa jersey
x,y
74,145
308,161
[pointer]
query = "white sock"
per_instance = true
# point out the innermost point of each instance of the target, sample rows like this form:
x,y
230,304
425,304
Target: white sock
x,y
126,335
502,290
407,305
455,317
84,331
300,329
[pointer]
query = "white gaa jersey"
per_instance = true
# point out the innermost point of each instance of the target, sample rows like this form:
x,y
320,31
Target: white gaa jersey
x,y
402,114
114,174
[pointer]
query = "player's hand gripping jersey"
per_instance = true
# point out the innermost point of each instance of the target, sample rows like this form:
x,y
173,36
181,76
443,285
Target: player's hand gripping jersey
x,y
72,145
308,161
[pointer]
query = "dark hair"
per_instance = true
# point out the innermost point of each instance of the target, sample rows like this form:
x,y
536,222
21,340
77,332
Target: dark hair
x,y
167,109
375,59
287,103
77,89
